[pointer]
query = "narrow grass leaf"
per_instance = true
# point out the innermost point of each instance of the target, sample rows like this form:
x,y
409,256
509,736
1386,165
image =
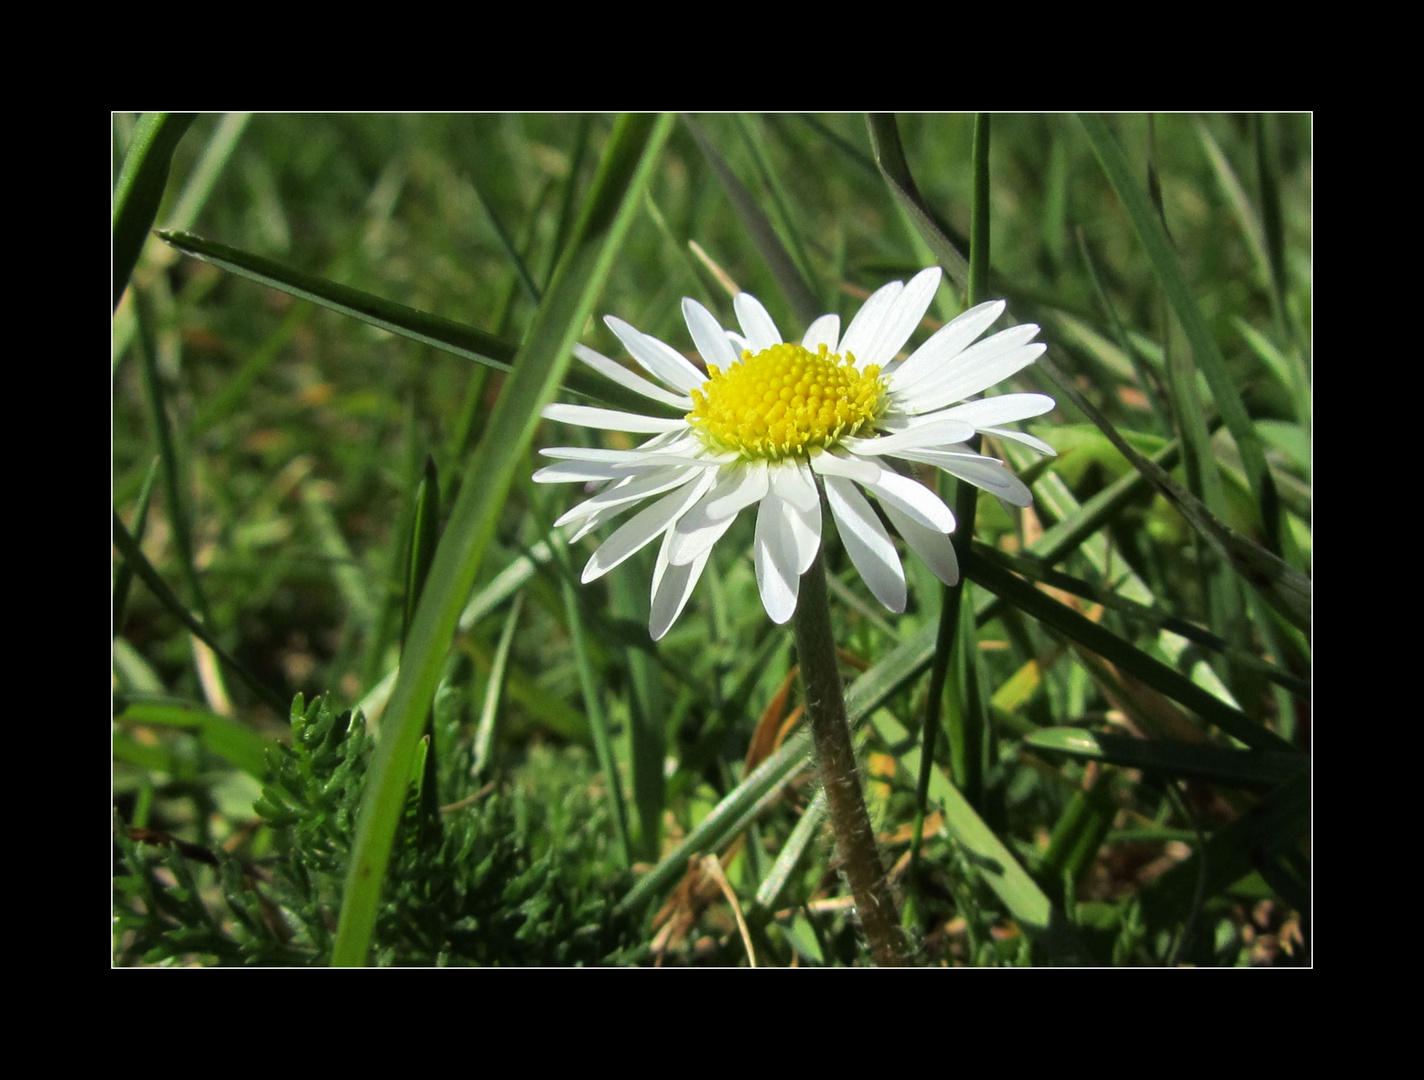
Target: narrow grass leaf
x,y
543,359
132,555
444,334
1225,393
231,740
1121,653
798,293
890,156
1215,763
140,187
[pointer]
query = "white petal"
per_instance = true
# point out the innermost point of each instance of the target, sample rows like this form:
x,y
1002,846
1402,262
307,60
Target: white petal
x,y
913,498
635,489
791,484
567,472
761,332
672,585
932,546
860,470
643,527
989,474
737,490
623,377
824,331
900,321
938,433
867,543
657,358
610,419
974,372
803,519
707,335
1022,437
702,526
623,458
593,522
1004,409
695,535
777,580
946,342
861,333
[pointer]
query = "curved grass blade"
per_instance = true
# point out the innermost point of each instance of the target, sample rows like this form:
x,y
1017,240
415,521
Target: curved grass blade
x,y
890,156
543,359
1113,649
799,294
1216,763
444,334
1209,360
1281,585
1034,570
140,187
123,578
231,740
129,549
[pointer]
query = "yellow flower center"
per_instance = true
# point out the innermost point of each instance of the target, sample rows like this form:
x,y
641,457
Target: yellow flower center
x,y
784,401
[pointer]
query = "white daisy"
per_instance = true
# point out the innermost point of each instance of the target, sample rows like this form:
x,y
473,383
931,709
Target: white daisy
x,y
776,424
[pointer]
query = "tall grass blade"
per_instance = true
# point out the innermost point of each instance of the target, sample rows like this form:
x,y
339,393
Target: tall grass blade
x,y
140,188
537,371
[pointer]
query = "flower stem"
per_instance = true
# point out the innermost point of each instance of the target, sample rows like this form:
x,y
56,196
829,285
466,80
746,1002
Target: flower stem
x,y
835,754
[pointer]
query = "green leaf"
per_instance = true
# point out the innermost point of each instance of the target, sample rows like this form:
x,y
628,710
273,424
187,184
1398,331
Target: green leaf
x,y
140,188
408,322
537,371
1217,763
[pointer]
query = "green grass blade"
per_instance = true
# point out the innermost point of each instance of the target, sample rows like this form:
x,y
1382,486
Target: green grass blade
x,y
1113,649
799,294
445,334
1281,585
1209,360
890,156
598,722
537,371
485,730
123,578
132,555
994,862
234,742
1218,764
140,187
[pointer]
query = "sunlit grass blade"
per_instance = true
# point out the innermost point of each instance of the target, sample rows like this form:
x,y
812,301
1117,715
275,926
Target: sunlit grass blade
x,y
140,188
1282,586
231,740
1121,653
1152,616
486,728
598,722
798,293
999,868
890,156
1215,763
536,373
1225,393
419,326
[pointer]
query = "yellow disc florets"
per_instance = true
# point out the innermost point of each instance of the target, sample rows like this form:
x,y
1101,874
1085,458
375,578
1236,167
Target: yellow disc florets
x,y
784,401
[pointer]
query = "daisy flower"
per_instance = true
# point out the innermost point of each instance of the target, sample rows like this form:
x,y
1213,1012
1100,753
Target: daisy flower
x,y
774,425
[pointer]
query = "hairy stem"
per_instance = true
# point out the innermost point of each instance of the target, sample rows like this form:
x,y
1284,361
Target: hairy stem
x,y
845,804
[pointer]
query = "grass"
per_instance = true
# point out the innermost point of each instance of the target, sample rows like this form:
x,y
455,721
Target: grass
x,y
337,358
